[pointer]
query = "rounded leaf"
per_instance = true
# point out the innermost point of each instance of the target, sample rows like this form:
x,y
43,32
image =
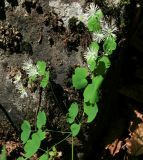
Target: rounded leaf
x,y
41,65
72,112
41,134
32,146
75,128
90,111
93,24
44,82
79,78
109,45
26,131
91,91
94,47
44,157
41,119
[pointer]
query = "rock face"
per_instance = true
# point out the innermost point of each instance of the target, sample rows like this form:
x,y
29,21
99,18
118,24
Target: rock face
x,y
29,28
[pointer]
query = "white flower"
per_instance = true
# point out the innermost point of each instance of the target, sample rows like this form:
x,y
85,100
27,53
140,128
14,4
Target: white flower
x,y
21,90
17,78
93,9
91,54
98,36
109,29
30,68
27,64
32,71
90,11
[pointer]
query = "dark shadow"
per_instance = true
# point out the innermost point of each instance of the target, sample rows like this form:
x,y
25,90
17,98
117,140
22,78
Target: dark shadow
x,y
39,9
29,5
13,2
26,47
2,10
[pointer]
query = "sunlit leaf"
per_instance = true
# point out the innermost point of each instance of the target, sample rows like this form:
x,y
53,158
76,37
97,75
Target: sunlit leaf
x,y
92,64
94,46
26,131
91,91
93,24
21,158
3,154
41,65
90,111
32,146
45,80
44,157
106,61
41,119
109,45
42,134
72,112
75,128
79,78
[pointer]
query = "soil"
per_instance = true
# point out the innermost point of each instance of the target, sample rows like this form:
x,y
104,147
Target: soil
x,y
35,31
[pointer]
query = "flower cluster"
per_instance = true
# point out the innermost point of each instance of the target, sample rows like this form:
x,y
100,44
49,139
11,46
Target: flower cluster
x,y
66,11
31,70
91,54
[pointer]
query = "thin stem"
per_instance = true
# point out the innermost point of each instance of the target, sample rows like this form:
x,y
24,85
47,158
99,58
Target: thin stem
x,y
60,141
72,149
42,150
47,130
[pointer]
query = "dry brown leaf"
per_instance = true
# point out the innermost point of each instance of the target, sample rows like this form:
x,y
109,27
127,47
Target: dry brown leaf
x,y
115,147
134,144
139,115
10,146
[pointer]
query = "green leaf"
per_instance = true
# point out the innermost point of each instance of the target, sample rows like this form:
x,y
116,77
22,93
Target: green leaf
x,y
90,111
32,78
52,154
91,91
26,131
32,146
101,68
41,134
21,158
3,154
103,65
92,64
106,61
75,128
44,157
99,14
109,45
79,78
90,94
93,24
41,65
41,119
72,112
94,46
45,80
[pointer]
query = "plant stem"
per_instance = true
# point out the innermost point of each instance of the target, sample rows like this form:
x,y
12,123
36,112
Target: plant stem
x,y
72,149
47,130
60,141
